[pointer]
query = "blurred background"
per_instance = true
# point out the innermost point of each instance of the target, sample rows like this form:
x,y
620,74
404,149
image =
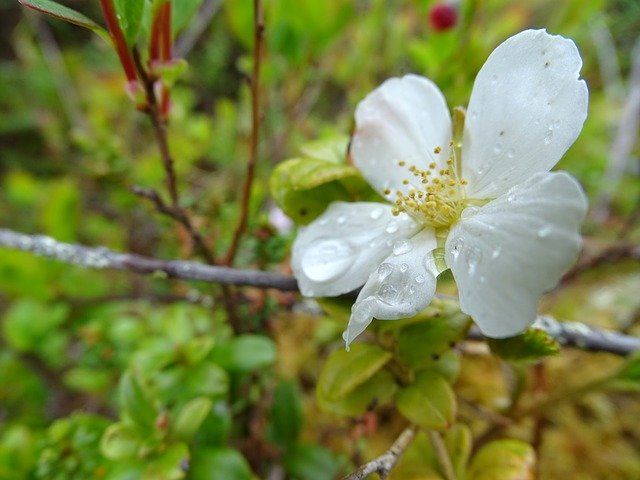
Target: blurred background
x,y
76,345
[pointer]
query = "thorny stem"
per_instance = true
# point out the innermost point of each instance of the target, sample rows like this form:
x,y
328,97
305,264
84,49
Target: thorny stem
x,y
383,464
444,460
258,40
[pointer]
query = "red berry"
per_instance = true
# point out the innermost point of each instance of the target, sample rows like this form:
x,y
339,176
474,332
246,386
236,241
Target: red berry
x,y
443,16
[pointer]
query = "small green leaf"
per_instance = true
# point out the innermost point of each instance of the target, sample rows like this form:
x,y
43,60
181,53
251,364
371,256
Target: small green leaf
x,y
421,343
245,353
136,403
332,149
285,414
307,173
528,346
506,459
311,462
344,371
190,418
120,441
67,14
172,464
458,441
130,13
378,389
429,402
219,464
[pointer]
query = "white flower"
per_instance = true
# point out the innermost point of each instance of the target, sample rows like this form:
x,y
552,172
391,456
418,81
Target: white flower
x,y
489,209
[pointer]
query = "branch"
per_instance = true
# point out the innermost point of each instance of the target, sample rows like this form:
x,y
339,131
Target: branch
x,y
258,40
567,333
383,464
103,258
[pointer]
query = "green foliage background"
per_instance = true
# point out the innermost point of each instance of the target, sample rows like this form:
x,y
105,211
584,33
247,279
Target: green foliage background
x,y
110,375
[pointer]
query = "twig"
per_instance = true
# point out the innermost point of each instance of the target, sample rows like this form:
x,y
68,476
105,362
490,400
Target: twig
x,y
383,464
258,40
614,253
103,258
567,333
582,336
159,129
177,213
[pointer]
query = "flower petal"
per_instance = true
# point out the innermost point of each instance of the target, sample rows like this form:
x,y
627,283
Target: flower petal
x,y
336,252
403,119
402,285
526,109
506,254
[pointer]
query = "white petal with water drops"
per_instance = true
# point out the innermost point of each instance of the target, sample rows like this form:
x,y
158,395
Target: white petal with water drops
x,y
403,119
502,263
526,109
400,287
335,253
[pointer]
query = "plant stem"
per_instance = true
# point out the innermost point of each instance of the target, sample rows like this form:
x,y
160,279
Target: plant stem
x,y
122,49
258,40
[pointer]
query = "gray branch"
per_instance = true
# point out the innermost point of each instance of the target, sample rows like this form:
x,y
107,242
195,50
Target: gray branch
x,y
567,333
103,258
383,464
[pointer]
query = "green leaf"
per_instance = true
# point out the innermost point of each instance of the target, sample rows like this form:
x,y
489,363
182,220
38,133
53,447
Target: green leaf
x,y
308,173
120,441
506,459
172,464
458,441
344,371
245,353
182,11
429,402
311,462
30,325
419,344
67,14
286,414
130,14
528,346
136,403
190,418
332,149
219,464
378,389
628,376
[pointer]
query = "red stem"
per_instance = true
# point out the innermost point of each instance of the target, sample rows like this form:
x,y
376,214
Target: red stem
x,y
117,36
167,40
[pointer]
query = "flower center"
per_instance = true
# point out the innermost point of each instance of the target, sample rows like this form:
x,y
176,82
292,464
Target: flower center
x,y
436,197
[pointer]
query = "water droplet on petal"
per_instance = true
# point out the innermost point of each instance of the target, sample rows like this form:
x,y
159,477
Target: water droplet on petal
x,y
494,79
404,267
497,148
401,247
392,227
496,252
544,231
384,270
511,153
470,211
375,214
388,294
341,219
549,135
326,259
419,279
